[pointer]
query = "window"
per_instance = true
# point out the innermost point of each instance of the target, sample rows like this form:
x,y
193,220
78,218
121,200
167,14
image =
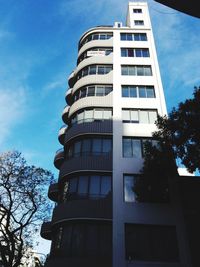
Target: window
x,y
87,187
92,90
133,36
90,115
85,239
129,183
95,36
136,70
89,146
135,52
137,10
139,116
93,70
156,243
138,22
133,147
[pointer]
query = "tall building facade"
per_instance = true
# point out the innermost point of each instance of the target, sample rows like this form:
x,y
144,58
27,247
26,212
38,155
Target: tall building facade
x,y
114,96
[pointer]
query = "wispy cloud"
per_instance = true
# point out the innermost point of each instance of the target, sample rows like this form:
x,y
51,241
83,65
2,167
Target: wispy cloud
x,y
12,110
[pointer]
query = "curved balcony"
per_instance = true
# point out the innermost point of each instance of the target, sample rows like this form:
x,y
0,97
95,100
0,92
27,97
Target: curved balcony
x,y
53,192
71,79
45,230
101,162
98,209
65,114
92,101
95,60
95,127
93,79
96,43
68,96
59,158
61,134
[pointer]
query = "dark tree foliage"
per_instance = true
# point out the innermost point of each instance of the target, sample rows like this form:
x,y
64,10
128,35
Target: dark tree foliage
x,y
178,136
23,206
159,166
182,130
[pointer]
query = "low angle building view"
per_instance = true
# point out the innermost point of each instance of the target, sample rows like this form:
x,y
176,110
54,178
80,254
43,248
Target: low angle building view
x,y
114,96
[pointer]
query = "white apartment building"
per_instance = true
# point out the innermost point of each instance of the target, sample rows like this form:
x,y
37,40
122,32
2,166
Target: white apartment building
x,y
115,93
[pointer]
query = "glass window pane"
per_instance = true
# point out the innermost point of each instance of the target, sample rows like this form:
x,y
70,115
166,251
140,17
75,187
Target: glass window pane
x,y
123,36
92,70
123,52
143,37
129,195
88,115
107,115
107,69
108,89
131,70
77,148
136,37
124,70
134,116
127,148
144,116
94,189
103,36
98,114
105,185
147,71
107,145
100,91
83,93
95,37
73,185
133,91
129,37
91,91
138,52
86,146
130,52
152,116
125,92
142,92
145,53
101,70
150,92
137,151
126,115
96,146
83,186
140,71
80,117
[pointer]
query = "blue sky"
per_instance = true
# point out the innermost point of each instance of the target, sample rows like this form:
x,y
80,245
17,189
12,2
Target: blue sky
x,y
38,50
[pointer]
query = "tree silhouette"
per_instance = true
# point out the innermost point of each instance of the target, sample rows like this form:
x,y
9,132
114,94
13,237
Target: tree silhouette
x,y
23,206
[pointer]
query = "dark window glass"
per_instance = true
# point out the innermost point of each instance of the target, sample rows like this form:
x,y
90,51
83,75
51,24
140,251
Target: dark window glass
x,y
91,91
138,52
83,186
142,92
86,146
95,37
107,145
123,52
137,10
150,92
124,70
73,185
101,70
130,52
94,186
127,148
125,92
140,70
123,36
129,37
131,70
105,185
151,243
96,146
92,70
133,91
